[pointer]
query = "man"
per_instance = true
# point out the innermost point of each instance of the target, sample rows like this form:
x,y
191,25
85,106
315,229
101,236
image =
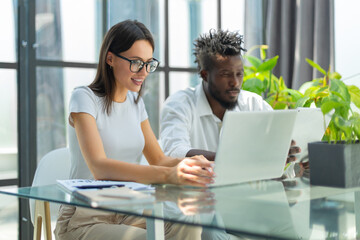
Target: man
x,y
191,119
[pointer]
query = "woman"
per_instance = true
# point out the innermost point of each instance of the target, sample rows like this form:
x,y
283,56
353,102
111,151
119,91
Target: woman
x,y
109,131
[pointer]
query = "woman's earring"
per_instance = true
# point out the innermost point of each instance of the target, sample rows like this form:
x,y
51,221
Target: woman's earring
x,y
110,67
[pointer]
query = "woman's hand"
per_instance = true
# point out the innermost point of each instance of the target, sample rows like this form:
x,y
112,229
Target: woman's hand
x,y
194,171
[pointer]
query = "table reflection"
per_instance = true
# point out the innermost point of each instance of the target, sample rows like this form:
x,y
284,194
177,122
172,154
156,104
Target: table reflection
x,y
262,208
189,201
290,208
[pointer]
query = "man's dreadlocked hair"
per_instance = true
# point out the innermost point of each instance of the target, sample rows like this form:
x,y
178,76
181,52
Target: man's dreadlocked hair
x,y
224,43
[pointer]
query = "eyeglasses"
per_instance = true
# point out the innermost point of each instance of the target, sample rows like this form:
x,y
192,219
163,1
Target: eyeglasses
x,y
137,65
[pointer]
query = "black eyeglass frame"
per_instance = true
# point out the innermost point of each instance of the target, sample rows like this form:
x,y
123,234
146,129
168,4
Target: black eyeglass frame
x,y
143,63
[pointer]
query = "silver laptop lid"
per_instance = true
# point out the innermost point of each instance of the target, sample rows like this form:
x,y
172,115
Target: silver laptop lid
x,y
253,146
310,126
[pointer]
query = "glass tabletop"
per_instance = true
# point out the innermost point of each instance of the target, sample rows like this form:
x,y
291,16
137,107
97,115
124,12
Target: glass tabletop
x,y
289,209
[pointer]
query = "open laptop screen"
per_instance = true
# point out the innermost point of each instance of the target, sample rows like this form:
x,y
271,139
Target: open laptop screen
x,y
253,146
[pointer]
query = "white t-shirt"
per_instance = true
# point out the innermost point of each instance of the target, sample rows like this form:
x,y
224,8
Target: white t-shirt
x,y
187,121
120,131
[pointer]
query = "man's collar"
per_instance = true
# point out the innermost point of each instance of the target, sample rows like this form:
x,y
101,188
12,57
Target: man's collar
x,y
202,104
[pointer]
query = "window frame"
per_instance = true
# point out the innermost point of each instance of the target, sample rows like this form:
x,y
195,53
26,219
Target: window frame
x,y
26,65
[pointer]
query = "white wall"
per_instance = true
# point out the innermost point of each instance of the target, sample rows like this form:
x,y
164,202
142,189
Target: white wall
x,y
347,36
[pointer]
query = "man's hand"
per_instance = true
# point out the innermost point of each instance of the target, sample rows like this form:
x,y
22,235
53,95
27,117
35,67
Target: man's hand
x,y
293,150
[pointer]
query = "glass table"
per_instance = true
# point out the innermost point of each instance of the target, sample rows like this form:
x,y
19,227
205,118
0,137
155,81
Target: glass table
x,y
288,209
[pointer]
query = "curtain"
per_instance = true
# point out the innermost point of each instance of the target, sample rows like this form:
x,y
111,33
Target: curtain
x,y
281,36
296,30
254,24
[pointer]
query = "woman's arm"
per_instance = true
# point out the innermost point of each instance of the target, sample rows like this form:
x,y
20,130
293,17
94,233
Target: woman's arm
x,y
152,151
186,172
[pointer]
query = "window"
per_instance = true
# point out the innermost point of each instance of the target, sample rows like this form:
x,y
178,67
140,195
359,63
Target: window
x,y
62,41
59,50
8,118
8,124
197,17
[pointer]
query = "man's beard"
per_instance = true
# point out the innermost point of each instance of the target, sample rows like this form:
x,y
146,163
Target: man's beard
x,y
216,95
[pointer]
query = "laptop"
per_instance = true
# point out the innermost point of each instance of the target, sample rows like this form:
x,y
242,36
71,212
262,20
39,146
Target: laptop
x,y
310,126
253,146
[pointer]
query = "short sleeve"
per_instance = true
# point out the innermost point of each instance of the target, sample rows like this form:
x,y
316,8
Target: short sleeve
x,y
142,109
83,100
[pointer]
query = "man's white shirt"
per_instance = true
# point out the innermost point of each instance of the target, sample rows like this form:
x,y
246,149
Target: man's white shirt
x,y
187,121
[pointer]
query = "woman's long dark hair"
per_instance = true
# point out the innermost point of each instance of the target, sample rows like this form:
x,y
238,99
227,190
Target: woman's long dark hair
x,y
118,39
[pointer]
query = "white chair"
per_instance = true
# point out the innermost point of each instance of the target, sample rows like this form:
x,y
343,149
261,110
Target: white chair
x,y
54,165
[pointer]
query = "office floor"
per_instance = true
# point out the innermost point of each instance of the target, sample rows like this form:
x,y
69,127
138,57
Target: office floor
x,y
8,217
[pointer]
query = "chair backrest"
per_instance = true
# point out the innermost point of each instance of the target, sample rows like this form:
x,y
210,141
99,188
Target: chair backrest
x,y
53,166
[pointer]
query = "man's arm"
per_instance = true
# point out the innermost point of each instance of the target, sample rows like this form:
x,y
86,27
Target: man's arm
x,y
175,134
207,154
175,125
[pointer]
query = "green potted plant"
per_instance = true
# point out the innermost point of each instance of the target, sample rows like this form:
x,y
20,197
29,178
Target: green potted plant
x,y
259,78
335,161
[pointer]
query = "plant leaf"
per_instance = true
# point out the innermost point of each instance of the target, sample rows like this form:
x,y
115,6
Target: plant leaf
x,y
263,53
340,87
335,75
324,82
341,107
256,62
332,131
254,85
344,125
356,123
355,95
339,97
311,91
282,85
268,65
302,101
274,86
316,66
305,86
342,111
249,69
280,105
327,106
322,92
248,76
265,82
294,93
